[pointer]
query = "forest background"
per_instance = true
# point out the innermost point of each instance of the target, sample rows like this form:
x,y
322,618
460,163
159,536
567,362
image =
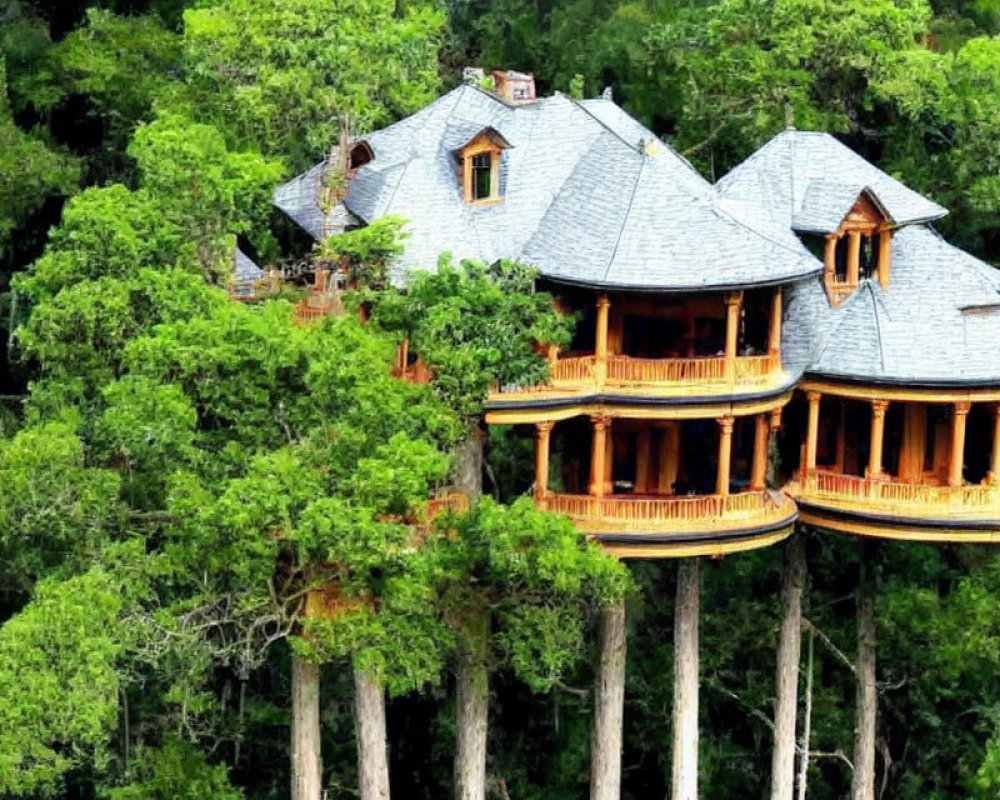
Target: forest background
x,y
159,440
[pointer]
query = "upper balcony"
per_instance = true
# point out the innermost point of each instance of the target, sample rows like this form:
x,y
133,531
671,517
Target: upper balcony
x,y
714,345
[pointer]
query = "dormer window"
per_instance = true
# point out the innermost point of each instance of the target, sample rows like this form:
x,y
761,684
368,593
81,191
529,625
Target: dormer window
x,y
360,155
860,248
480,158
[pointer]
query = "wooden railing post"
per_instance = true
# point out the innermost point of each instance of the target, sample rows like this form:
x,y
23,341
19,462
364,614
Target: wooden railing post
x,y
879,408
734,301
830,257
812,434
725,455
601,343
598,454
774,335
957,462
543,432
759,472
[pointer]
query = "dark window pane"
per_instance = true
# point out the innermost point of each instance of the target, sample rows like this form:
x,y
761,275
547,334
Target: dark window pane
x,y
481,176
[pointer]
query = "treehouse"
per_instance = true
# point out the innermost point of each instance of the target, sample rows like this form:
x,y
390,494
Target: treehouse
x,y
894,431
805,278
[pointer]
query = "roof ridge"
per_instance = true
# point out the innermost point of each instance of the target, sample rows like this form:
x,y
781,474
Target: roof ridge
x,y
876,304
628,210
735,220
598,120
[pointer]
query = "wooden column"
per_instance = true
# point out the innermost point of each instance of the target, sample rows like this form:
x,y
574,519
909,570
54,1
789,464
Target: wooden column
x,y
854,258
879,407
609,459
759,472
994,477
733,302
601,342
643,453
774,335
812,432
841,454
543,436
404,355
884,251
598,454
670,457
725,455
957,462
830,257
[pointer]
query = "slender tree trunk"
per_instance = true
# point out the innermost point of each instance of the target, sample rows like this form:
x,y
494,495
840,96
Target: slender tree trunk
x,y
468,469
806,721
863,785
472,715
369,722
684,771
307,768
609,707
787,683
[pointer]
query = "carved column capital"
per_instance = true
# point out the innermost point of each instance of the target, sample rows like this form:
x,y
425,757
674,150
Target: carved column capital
x,y
879,407
775,420
603,301
726,424
962,408
813,396
601,421
542,428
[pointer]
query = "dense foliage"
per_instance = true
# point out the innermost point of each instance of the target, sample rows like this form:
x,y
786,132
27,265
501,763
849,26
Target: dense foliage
x,y
180,471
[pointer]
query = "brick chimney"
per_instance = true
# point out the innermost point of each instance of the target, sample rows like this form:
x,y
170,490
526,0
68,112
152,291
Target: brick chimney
x,y
514,87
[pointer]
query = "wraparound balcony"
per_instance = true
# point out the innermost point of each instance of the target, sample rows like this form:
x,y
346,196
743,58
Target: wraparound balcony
x,y
621,374
705,524
911,510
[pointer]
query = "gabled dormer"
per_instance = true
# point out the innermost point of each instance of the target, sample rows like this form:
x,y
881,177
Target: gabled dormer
x,y
480,159
858,249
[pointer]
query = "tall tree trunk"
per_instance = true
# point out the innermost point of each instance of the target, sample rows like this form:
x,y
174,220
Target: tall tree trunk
x,y
307,768
609,706
863,785
684,771
468,469
806,744
787,682
369,722
472,714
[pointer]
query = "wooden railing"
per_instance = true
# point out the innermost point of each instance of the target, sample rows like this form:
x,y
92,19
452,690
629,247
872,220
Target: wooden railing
x,y
575,373
670,513
452,501
305,313
624,370
910,498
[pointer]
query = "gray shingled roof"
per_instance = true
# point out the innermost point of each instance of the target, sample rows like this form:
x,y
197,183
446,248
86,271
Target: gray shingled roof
x,y
590,197
937,323
246,273
809,181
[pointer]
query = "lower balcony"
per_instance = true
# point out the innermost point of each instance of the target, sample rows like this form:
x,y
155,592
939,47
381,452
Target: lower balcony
x,y
892,509
687,525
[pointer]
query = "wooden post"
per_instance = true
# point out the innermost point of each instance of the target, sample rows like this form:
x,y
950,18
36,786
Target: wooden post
x,y
725,455
404,356
854,258
601,342
598,453
543,431
812,432
609,459
670,457
733,302
841,454
774,335
609,707
684,766
643,452
793,582
879,407
884,256
758,473
994,477
830,257
957,462
307,768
